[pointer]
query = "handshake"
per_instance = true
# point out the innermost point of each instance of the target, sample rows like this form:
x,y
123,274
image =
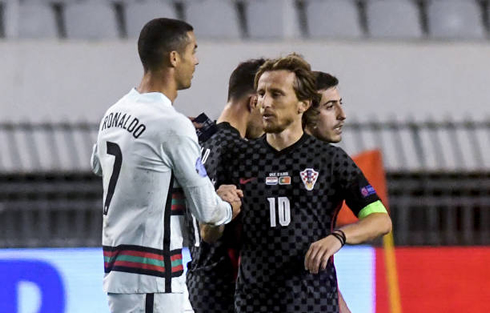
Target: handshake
x,y
232,195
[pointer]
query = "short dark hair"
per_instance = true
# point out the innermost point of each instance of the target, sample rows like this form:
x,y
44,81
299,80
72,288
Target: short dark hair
x,y
159,37
324,80
241,81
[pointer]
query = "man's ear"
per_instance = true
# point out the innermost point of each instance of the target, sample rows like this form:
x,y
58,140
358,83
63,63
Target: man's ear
x,y
303,106
173,58
252,102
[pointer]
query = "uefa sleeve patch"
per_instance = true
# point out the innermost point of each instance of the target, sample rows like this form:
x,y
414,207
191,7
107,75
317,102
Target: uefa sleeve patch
x,y
367,191
200,169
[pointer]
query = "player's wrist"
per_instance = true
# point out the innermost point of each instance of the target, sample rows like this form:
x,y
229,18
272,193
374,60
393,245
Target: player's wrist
x,y
340,235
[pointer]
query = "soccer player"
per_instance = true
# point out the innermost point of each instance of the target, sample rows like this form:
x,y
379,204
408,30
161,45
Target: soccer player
x,y
149,157
293,187
327,125
211,274
331,116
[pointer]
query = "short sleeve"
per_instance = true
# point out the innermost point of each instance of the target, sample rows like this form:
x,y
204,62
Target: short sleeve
x,y
357,191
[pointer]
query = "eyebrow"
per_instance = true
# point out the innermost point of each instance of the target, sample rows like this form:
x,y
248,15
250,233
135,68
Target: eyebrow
x,y
332,101
276,90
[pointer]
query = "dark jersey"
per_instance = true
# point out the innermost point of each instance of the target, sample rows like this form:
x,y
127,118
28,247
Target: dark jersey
x,y
291,199
211,274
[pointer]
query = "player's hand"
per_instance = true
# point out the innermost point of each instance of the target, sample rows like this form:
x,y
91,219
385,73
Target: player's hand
x,y
320,252
231,194
210,233
196,125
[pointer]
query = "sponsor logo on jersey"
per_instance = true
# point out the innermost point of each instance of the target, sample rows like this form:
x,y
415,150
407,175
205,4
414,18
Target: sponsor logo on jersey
x,y
285,180
367,191
309,177
200,168
271,180
244,181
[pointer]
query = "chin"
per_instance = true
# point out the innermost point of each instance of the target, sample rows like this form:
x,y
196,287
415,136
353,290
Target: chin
x,y
335,140
273,129
185,86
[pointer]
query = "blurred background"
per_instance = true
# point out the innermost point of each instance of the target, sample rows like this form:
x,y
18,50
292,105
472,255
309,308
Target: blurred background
x,y
414,77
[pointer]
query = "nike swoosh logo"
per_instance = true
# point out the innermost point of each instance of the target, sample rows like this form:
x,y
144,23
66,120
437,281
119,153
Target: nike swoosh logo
x,y
244,181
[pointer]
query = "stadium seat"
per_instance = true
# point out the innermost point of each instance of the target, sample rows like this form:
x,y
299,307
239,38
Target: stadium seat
x,y
333,19
452,19
216,19
139,13
90,20
393,19
272,19
30,20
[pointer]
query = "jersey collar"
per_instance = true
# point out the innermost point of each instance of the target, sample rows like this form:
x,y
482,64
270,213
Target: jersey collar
x,y
150,97
288,149
226,125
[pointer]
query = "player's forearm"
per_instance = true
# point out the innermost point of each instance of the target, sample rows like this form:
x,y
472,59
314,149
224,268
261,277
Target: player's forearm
x,y
207,207
211,233
368,228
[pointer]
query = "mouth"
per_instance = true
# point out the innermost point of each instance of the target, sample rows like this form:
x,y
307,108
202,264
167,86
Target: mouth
x,y
267,116
338,128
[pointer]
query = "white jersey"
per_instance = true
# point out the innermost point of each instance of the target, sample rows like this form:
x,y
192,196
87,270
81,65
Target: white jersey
x,y
145,150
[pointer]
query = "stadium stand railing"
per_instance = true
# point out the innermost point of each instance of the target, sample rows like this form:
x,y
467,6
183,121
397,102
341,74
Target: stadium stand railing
x,y
438,176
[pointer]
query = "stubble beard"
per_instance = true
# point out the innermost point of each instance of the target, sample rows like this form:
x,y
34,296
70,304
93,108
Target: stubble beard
x,y
275,128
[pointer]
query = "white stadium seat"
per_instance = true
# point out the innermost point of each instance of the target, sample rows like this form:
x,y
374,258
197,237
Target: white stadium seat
x,y
272,19
333,19
393,19
91,20
452,19
216,19
137,14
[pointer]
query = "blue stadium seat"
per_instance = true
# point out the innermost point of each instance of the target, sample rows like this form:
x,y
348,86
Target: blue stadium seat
x,y
272,19
393,19
333,19
92,20
215,19
139,13
453,19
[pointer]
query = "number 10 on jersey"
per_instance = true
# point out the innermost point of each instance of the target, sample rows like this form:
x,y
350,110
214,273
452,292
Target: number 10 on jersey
x,y
281,211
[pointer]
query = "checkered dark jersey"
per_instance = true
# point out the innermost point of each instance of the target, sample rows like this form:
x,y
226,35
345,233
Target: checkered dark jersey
x,y
291,199
212,272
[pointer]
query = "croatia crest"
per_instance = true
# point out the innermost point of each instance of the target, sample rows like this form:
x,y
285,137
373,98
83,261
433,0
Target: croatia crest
x,y
309,177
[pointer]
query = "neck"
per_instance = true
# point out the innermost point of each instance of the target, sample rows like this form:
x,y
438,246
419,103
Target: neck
x,y
236,115
160,81
287,137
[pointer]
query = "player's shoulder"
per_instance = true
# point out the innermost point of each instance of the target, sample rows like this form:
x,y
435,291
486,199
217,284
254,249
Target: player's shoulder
x,y
169,122
225,136
325,150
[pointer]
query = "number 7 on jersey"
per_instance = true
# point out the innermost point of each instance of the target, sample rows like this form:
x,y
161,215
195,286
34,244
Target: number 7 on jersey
x,y
113,149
